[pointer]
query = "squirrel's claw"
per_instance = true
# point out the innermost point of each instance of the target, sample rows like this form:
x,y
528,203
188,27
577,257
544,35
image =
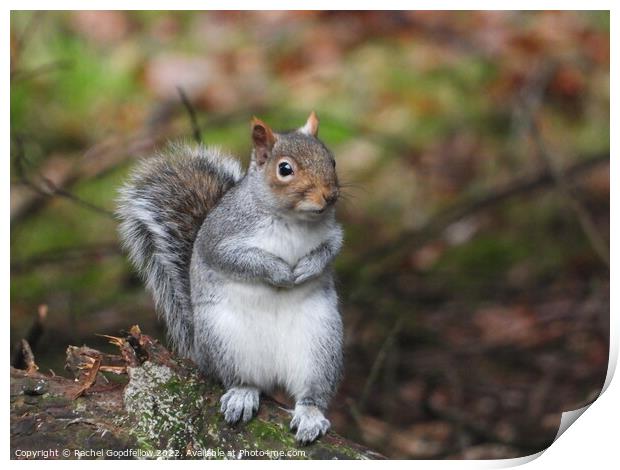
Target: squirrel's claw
x,y
309,423
306,269
239,404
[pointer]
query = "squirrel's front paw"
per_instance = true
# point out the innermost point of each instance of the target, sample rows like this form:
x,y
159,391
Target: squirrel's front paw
x,y
306,269
282,276
309,423
239,403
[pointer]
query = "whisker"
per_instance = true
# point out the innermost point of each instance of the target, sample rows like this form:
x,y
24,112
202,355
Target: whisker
x,y
347,194
350,184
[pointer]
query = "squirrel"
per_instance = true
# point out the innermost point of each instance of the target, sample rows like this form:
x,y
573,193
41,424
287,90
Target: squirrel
x,y
239,265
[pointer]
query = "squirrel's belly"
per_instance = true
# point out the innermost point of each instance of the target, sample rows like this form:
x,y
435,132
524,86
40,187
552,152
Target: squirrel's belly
x,y
268,299
270,334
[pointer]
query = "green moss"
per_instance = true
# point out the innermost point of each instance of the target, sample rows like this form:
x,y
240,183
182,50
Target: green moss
x,y
168,410
268,435
264,430
176,413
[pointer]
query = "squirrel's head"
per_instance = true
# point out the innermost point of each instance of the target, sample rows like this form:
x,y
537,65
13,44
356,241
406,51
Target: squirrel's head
x,y
297,167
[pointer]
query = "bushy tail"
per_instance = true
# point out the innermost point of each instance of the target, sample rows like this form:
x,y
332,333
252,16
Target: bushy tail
x,y
161,209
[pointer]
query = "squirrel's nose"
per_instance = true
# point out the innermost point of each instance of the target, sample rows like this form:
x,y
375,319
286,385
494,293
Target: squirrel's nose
x,y
322,199
330,197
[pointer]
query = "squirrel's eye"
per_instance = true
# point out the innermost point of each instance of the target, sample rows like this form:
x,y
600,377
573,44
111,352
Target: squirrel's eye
x,y
285,169
334,163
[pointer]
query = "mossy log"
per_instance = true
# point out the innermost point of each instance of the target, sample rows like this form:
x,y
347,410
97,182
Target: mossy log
x,y
146,403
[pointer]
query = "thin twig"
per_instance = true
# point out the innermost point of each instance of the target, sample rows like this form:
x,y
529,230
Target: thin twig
x,y
192,115
90,379
50,189
531,102
585,219
66,255
23,355
31,365
495,196
378,362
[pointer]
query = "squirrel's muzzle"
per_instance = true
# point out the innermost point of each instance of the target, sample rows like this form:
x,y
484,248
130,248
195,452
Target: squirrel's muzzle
x,y
318,201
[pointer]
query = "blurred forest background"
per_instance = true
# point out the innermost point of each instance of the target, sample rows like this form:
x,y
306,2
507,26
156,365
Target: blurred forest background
x,y
475,274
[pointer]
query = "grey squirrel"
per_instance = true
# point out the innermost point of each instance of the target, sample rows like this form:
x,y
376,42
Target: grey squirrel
x,y
239,266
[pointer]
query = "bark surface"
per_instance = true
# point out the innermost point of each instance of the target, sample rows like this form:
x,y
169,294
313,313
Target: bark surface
x,y
146,403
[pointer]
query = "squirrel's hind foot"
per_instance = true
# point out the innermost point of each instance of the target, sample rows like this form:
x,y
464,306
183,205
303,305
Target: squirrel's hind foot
x,y
239,404
309,423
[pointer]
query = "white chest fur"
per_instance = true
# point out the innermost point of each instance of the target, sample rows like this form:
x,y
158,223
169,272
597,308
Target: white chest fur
x,y
290,240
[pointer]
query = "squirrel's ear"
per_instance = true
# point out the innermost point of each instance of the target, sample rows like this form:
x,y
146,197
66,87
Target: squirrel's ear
x,y
262,139
311,127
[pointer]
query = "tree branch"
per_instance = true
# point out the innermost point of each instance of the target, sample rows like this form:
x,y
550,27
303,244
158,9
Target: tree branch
x,y
160,404
586,222
49,188
191,112
518,187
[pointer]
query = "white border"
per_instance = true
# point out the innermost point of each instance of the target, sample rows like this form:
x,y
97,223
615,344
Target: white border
x,y
592,442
